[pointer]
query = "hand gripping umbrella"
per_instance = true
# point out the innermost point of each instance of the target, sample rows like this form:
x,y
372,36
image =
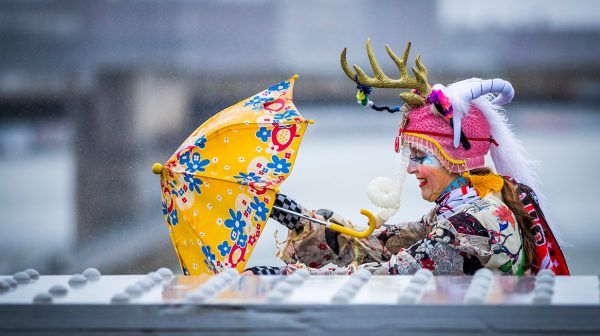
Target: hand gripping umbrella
x,y
218,188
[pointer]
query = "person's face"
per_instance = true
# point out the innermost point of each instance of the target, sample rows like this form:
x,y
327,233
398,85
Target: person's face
x,y
432,177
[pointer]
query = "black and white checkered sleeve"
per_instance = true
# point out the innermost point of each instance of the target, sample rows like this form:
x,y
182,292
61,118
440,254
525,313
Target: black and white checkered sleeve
x,y
265,270
290,221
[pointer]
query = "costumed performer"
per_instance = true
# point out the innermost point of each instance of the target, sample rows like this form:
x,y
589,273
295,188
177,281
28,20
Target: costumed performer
x,y
480,218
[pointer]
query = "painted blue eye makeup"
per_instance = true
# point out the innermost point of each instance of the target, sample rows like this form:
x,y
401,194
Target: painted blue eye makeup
x,y
429,160
417,159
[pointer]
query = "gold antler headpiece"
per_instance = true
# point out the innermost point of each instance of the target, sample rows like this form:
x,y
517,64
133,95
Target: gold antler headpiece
x,y
419,82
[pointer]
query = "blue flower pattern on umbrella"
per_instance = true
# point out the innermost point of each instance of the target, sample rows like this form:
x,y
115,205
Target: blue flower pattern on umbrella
x,y
242,240
165,208
235,223
260,209
281,86
285,116
201,142
243,178
184,158
209,258
224,248
197,164
171,217
263,134
173,183
257,102
280,166
193,183
173,220
207,253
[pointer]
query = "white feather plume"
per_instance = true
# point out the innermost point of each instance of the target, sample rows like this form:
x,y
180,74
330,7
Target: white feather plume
x,y
510,157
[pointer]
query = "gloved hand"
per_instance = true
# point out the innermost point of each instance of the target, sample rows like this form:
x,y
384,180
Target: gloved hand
x,y
329,215
296,223
331,237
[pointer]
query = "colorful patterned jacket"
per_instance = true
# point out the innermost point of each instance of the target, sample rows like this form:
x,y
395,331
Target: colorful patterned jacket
x,y
460,235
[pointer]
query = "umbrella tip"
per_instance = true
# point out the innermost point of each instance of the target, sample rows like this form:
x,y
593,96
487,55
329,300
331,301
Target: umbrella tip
x,y
157,168
295,76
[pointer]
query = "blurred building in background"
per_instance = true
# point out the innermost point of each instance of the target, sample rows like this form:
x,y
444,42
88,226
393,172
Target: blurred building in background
x,y
92,93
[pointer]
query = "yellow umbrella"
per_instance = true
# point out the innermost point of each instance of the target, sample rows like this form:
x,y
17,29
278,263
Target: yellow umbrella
x,y
218,188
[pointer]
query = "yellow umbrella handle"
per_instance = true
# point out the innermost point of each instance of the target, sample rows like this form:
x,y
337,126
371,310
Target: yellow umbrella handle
x,y
336,227
354,233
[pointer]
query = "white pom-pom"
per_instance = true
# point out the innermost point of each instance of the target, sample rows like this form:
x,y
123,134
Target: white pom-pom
x,y
384,193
